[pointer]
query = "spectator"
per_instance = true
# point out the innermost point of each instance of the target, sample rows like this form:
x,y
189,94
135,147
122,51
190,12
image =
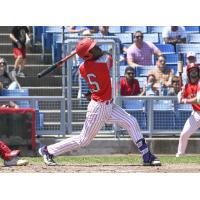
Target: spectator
x,y
20,38
174,35
84,30
140,52
104,31
148,89
11,157
7,81
190,58
162,74
174,90
129,85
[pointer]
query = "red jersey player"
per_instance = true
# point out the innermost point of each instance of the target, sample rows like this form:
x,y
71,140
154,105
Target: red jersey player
x,y
101,109
190,94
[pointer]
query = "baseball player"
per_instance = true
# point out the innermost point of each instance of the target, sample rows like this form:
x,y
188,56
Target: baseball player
x,y
101,109
11,157
190,94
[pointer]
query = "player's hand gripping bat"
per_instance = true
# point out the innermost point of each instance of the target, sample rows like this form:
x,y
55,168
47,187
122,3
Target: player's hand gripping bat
x,y
56,65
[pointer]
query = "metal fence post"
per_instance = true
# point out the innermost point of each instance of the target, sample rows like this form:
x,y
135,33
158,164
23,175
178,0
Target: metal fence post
x,y
63,83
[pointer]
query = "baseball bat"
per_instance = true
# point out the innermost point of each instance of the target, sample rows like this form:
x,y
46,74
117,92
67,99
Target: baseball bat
x,y
56,65
180,69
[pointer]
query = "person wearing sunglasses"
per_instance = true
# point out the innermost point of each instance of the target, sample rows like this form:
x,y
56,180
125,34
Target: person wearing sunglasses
x,y
162,74
140,52
128,84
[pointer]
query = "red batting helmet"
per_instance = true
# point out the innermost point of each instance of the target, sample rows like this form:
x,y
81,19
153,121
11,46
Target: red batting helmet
x,y
84,46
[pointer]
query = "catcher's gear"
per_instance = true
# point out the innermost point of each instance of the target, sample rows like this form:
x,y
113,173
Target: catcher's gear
x,y
83,48
6,153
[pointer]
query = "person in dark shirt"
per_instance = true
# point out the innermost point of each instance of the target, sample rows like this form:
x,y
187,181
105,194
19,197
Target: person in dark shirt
x,y
20,38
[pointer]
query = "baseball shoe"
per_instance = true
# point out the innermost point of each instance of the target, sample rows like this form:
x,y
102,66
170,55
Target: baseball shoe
x,y
15,161
151,160
179,155
48,158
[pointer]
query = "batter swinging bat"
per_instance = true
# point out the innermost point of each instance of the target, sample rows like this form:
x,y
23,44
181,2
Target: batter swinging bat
x,y
180,69
56,65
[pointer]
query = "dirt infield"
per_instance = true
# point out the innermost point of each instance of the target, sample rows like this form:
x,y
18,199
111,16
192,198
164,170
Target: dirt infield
x,y
41,168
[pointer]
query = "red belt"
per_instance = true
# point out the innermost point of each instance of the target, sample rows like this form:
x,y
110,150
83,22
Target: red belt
x,y
106,102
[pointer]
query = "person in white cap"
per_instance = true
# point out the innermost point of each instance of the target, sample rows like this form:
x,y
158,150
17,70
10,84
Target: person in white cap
x,y
191,58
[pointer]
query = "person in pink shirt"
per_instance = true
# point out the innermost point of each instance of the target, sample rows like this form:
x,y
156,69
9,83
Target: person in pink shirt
x,y
140,52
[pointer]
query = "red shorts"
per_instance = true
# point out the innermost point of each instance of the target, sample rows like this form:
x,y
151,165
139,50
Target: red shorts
x,y
19,52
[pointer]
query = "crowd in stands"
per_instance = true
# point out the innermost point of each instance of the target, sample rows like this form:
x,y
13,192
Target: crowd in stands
x,y
160,79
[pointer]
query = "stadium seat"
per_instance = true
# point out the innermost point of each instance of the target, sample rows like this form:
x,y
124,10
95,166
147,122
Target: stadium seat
x,y
171,58
166,48
125,37
198,58
151,37
163,112
122,69
18,92
184,48
193,38
114,29
137,109
183,111
142,71
37,34
133,29
155,29
192,29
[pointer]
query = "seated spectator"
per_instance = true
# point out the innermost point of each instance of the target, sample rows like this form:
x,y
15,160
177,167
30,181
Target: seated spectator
x,y
7,81
104,31
129,85
83,30
174,89
162,74
140,52
190,58
148,89
174,35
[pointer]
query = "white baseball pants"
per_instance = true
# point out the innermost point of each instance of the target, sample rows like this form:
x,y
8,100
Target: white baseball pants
x,y
190,127
98,114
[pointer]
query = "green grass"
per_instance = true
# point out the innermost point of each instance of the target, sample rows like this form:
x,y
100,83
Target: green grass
x,y
114,159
